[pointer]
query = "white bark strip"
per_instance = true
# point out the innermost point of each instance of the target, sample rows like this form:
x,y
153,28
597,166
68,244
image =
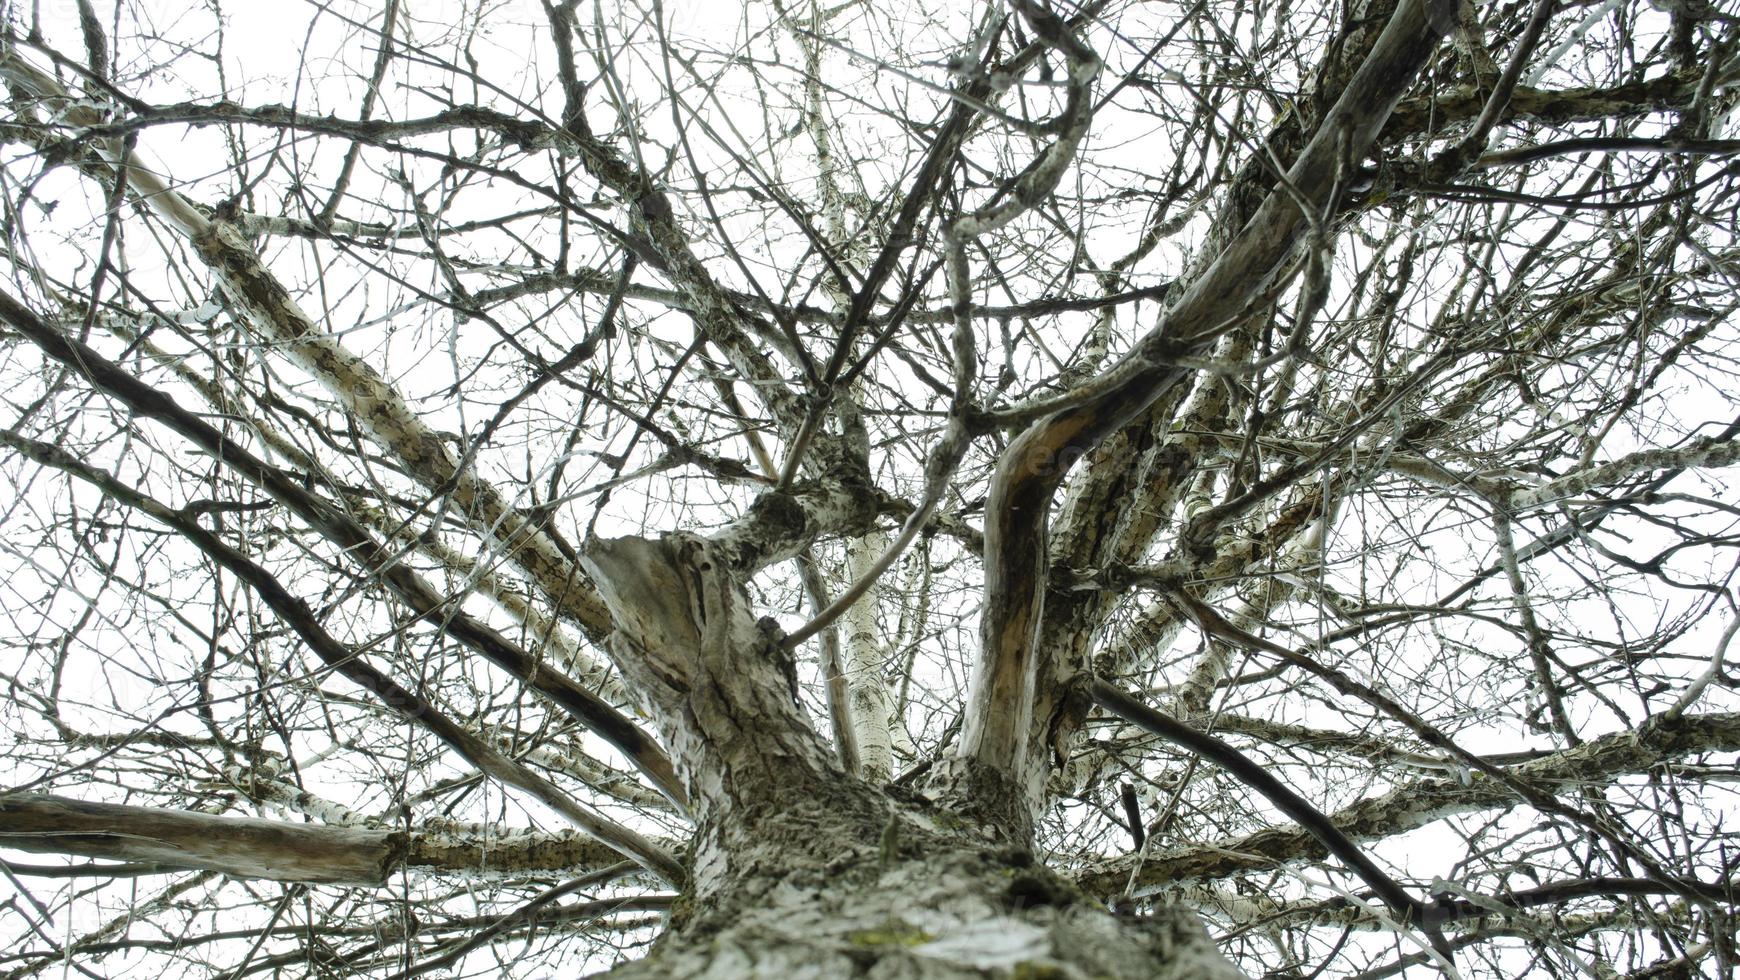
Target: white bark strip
x,y
864,662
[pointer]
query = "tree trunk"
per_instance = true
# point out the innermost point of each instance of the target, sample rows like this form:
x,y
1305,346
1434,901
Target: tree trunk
x,y
846,880
800,870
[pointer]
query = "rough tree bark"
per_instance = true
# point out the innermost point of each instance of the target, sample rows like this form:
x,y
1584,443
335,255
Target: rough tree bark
x,y
804,861
799,870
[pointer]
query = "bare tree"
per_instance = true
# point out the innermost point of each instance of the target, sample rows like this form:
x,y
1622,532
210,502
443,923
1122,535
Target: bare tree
x,y
1035,489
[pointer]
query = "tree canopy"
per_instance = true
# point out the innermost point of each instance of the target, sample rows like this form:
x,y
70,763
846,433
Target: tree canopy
x,y
1262,459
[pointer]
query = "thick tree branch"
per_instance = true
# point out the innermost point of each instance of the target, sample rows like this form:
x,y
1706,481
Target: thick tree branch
x,y
348,662
357,386
1001,703
1420,802
243,847
337,526
1312,820
247,847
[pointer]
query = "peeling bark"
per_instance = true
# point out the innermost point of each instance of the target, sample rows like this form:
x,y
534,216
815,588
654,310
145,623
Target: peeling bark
x,y
868,693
